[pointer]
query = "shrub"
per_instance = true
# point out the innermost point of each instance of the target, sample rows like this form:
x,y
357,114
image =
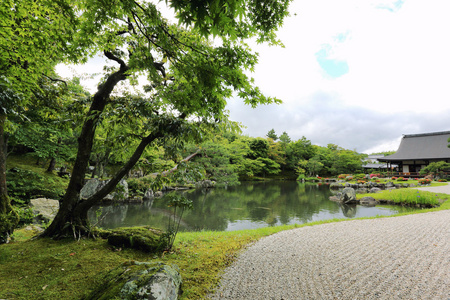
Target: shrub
x,y
442,180
394,178
360,176
342,176
424,181
375,175
24,185
402,179
348,178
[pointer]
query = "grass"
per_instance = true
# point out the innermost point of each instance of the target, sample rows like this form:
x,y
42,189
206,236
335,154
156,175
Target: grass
x,y
408,196
47,269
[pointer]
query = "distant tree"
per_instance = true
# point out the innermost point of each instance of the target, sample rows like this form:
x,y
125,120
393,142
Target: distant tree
x,y
259,147
271,134
284,138
299,150
269,166
435,168
276,153
385,153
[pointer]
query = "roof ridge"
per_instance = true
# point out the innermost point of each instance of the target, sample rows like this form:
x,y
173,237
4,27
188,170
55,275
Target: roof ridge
x,y
426,134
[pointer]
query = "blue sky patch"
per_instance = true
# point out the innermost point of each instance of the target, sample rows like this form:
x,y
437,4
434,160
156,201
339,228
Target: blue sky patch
x,y
333,67
392,7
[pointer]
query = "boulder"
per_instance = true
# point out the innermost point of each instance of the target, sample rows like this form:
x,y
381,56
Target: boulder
x,y
389,184
140,280
368,201
348,195
148,194
205,184
362,190
374,190
44,209
335,198
336,185
94,185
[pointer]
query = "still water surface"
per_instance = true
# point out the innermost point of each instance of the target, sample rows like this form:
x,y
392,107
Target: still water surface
x,y
247,206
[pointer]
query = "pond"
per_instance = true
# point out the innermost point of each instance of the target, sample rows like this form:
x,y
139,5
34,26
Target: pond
x,y
247,206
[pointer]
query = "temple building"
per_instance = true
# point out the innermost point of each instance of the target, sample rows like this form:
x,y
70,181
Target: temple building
x,y
416,151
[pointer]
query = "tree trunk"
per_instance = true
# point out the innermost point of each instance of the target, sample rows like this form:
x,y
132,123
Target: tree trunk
x,y
8,217
52,165
69,219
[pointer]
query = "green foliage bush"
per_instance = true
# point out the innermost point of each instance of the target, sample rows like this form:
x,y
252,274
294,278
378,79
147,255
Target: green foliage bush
x,y
138,186
25,214
24,185
360,176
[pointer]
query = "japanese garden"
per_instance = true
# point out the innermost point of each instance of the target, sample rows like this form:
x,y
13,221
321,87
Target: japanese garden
x,y
148,173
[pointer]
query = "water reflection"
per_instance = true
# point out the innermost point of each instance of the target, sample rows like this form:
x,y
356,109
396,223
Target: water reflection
x,y
250,205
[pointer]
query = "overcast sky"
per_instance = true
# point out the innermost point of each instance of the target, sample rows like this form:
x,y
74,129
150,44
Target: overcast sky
x,y
355,73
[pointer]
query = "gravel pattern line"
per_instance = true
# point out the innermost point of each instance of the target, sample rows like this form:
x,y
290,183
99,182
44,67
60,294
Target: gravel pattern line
x,y
405,257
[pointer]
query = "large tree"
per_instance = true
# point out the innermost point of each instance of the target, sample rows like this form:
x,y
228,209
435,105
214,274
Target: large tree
x,y
34,36
189,77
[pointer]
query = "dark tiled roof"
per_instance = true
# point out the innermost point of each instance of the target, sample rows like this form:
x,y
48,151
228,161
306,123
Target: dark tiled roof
x,y
422,146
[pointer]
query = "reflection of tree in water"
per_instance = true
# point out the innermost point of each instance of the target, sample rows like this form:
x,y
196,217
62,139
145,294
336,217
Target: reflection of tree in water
x,y
215,209
349,210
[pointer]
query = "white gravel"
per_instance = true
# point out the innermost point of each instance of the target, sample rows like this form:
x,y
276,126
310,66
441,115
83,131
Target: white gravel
x,y
404,257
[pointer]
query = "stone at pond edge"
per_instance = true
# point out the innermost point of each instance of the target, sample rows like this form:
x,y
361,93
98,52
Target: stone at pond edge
x,y
44,209
140,280
94,185
368,201
348,195
375,190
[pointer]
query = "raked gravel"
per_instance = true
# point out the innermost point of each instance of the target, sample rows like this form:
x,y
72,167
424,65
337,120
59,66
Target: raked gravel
x,y
405,257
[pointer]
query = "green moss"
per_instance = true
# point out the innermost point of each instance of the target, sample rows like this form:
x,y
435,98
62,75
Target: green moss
x,y
140,238
123,282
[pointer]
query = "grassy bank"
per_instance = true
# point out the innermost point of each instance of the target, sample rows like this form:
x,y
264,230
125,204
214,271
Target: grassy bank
x,y
47,269
408,197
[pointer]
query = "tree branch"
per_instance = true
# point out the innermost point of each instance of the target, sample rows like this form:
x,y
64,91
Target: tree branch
x,y
55,79
111,56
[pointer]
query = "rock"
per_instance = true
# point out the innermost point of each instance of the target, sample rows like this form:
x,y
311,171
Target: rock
x,y
389,184
44,209
94,185
140,280
144,238
368,201
336,185
158,194
149,194
362,191
335,198
374,190
347,195
205,184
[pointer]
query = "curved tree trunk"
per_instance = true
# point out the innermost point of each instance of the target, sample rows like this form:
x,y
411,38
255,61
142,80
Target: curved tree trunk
x,y
69,218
